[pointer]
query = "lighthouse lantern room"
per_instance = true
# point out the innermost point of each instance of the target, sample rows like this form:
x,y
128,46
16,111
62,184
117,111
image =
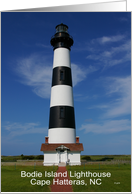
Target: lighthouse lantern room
x,y
61,145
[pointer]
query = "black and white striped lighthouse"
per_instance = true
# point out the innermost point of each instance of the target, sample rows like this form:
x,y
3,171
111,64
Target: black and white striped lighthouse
x,y
61,119
61,145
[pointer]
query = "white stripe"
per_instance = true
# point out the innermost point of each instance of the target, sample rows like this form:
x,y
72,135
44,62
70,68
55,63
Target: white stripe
x,y
61,95
62,135
61,57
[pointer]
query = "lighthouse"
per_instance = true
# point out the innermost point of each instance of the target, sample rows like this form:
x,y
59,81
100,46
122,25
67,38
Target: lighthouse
x,y
61,145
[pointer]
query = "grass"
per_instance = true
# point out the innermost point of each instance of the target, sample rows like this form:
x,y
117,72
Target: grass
x,y
11,180
120,180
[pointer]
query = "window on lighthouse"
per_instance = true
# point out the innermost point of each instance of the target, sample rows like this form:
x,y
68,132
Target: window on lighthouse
x,y
62,112
62,75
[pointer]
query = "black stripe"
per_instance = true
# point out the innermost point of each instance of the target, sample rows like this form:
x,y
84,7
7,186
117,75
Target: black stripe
x,y
61,75
61,39
58,118
61,45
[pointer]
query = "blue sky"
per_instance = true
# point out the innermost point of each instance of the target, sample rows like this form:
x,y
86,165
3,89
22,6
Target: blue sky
x,y
101,70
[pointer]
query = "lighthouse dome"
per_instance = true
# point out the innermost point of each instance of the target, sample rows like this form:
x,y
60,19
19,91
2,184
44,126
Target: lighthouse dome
x,y
61,28
61,37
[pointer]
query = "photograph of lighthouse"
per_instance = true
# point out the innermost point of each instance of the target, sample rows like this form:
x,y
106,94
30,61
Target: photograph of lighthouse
x,y
66,101
62,146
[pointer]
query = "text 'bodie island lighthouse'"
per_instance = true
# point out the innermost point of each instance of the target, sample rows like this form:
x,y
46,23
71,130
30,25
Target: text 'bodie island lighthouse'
x,y
61,145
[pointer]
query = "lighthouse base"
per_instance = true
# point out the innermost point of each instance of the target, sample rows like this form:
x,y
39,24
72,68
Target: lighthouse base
x,y
56,158
55,154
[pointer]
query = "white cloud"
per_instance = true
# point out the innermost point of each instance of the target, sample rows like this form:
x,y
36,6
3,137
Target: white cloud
x,y
110,55
101,106
17,129
36,72
79,74
118,97
109,39
112,126
122,104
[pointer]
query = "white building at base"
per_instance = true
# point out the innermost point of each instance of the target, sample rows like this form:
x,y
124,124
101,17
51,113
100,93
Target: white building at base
x,y
62,153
